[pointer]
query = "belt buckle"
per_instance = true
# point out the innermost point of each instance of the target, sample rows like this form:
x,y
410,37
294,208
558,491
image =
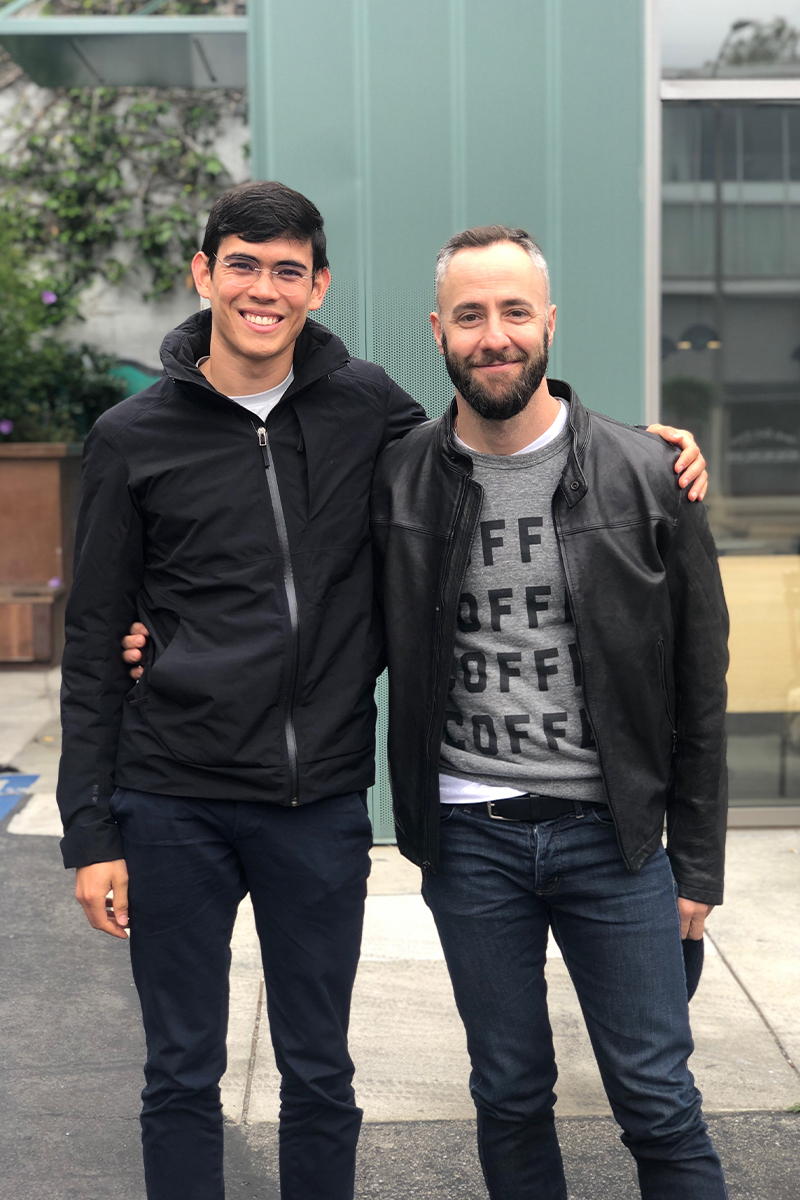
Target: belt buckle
x,y
497,816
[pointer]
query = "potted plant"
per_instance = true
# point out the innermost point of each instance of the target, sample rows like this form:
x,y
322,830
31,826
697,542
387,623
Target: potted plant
x,y
50,395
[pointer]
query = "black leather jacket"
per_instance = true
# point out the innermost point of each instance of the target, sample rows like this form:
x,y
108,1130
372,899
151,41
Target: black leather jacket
x,y
650,620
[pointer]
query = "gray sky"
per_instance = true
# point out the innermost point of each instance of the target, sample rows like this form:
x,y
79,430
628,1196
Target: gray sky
x,y
692,30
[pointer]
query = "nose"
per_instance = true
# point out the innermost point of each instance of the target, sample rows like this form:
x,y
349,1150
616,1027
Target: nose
x,y
494,334
263,288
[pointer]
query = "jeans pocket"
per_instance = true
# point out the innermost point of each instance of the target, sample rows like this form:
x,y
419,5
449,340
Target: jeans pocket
x,y
603,817
446,812
116,805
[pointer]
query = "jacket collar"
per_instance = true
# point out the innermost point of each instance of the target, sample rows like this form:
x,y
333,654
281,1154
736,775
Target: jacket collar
x,y
317,352
573,482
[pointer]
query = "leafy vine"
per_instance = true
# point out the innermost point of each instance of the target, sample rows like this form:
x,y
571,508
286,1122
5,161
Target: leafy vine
x,y
94,182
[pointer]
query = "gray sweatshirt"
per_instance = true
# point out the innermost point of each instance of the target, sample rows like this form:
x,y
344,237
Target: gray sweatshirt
x,y
516,716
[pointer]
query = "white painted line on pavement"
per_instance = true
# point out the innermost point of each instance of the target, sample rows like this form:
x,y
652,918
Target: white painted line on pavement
x,y
39,816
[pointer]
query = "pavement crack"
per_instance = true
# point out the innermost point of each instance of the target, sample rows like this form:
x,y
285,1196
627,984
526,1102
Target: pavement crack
x,y
754,1003
251,1066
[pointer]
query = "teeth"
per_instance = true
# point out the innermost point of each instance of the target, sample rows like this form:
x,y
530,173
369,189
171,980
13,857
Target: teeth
x,y
254,320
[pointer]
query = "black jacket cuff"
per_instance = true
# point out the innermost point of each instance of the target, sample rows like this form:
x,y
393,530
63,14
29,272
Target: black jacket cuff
x,y
90,842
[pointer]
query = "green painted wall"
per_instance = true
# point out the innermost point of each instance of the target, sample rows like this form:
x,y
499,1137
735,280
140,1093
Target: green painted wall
x,y
406,122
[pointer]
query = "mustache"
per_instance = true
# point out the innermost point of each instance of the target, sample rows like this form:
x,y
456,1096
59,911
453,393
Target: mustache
x,y
489,360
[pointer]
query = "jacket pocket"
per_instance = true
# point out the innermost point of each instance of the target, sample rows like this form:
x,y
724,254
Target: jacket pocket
x,y
662,663
141,687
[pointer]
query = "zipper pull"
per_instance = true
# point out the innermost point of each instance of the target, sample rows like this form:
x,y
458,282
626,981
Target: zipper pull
x,y
262,441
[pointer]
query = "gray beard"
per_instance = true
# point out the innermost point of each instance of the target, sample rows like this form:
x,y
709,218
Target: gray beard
x,y
493,406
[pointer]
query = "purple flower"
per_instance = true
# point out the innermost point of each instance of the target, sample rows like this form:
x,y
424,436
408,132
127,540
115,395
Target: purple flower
x,y
49,297
54,582
6,426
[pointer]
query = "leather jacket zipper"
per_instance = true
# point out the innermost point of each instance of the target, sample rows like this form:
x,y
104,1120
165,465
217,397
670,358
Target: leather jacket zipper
x,y
437,714
662,660
557,529
291,602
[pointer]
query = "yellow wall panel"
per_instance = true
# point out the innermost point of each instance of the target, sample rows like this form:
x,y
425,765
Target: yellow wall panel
x,y
763,595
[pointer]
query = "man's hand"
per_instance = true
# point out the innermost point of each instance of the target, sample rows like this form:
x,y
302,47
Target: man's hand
x,y
691,466
92,885
132,645
693,917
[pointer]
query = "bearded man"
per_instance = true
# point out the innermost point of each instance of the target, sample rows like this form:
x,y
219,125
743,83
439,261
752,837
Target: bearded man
x,y
556,635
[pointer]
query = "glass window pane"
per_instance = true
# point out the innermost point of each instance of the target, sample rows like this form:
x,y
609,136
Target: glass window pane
x,y
731,373
762,142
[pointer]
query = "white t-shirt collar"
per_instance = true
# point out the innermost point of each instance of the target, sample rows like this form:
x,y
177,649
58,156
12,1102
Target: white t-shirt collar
x,y
550,434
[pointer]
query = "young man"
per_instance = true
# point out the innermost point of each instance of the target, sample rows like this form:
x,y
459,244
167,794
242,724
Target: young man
x,y
226,508
556,635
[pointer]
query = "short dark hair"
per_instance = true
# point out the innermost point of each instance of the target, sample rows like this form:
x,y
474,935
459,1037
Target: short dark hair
x,y
261,212
490,235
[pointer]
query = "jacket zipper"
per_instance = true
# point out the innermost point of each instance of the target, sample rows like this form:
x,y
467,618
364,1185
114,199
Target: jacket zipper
x,y
662,658
291,601
572,609
434,724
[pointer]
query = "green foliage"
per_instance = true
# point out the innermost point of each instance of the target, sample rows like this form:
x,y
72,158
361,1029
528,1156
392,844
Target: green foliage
x,y
49,391
106,182
127,7
109,180
752,42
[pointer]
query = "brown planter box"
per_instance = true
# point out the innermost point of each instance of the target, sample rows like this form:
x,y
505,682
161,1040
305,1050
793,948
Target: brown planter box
x,y
39,488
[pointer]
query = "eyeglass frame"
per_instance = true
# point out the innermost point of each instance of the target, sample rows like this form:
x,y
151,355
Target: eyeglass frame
x,y
260,270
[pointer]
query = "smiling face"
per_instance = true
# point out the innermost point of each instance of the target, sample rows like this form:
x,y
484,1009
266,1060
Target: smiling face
x,y
494,326
256,322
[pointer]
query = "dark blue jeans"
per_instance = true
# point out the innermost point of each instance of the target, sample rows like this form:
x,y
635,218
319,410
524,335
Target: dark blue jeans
x,y
499,888
190,863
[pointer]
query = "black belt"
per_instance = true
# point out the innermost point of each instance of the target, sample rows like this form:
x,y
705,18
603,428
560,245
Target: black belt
x,y
535,808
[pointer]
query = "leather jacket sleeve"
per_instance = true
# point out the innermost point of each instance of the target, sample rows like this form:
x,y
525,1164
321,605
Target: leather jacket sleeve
x,y
697,804
101,607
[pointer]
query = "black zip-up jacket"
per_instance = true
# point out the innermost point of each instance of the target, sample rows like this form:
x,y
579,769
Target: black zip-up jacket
x,y
650,622
244,548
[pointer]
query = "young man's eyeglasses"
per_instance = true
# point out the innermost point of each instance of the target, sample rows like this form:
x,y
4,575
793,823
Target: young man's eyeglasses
x,y
242,271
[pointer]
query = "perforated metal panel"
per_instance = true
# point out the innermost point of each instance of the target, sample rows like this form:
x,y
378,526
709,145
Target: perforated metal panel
x,y
403,344
379,797
342,312
421,119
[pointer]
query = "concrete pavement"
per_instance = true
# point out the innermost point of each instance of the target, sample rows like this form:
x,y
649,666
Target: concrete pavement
x,y
72,1044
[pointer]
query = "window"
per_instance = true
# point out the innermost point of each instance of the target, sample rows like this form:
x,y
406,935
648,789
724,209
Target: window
x,y
731,372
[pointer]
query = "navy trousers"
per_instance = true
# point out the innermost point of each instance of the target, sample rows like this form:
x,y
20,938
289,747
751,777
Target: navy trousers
x,y
190,863
501,887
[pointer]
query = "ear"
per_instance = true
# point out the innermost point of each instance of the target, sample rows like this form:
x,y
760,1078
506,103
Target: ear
x,y
551,323
322,281
436,326
201,275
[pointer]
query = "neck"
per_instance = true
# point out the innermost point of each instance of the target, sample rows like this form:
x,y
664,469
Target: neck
x,y
507,437
235,375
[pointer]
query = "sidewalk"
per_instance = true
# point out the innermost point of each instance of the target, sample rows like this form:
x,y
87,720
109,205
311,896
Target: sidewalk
x,y
74,1045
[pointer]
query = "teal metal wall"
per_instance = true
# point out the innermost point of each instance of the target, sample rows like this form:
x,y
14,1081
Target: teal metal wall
x,y
408,121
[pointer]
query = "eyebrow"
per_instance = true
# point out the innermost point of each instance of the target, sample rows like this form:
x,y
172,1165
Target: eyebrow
x,y
477,305
283,262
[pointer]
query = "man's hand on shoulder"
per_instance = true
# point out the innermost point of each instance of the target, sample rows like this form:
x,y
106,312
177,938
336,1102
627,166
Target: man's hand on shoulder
x,y
92,885
132,647
691,466
693,916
